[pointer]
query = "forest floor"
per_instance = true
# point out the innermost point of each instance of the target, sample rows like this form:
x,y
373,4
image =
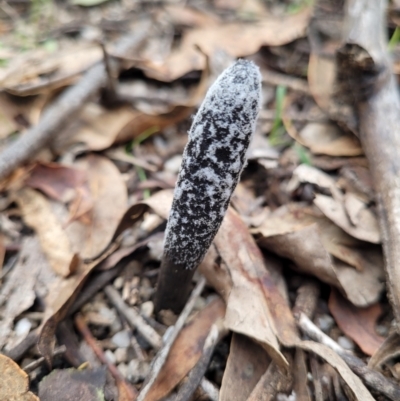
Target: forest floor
x,y
298,298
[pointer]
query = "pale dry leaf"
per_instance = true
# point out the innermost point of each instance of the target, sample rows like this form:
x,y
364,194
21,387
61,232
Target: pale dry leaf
x,y
186,350
322,83
96,128
37,214
61,294
247,310
190,16
109,195
56,180
285,231
328,139
347,211
247,362
334,209
39,71
14,385
312,175
237,39
18,293
90,239
357,211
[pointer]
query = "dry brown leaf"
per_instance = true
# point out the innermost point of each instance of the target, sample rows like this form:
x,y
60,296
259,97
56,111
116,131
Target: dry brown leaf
x,y
40,71
327,139
300,376
55,243
186,350
19,113
347,211
14,383
357,180
312,175
96,128
99,128
247,362
110,199
55,180
61,295
247,309
367,228
356,386
285,232
322,83
108,191
73,384
7,125
237,39
189,16
358,324
29,277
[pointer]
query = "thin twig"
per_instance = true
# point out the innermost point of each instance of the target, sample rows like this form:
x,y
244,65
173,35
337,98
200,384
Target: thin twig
x,y
35,364
94,285
134,318
210,389
364,65
122,384
197,373
21,348
275,78
371,378
60,113
160,358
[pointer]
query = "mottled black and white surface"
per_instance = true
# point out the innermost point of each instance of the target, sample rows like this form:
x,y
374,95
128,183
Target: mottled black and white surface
x,y
213,160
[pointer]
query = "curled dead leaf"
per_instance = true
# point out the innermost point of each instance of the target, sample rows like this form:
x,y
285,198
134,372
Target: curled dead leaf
x,y
356,323
306,237
247,362
37,213
14,382
186,350
237,39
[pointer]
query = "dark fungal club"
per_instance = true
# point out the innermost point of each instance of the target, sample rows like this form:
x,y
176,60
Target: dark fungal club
x,y
213,160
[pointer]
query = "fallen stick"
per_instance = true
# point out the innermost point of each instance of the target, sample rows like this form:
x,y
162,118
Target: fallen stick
x,y
61,112
371,378
133,317
125,389
364,66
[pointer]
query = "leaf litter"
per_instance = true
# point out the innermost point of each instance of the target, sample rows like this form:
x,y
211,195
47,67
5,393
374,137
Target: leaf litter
x,y
91,206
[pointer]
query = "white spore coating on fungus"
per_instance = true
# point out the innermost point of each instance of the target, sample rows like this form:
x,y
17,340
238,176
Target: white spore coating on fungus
x,y
213,160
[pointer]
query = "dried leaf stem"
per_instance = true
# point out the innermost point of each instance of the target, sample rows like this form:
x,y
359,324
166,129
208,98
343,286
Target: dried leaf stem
x,y
133,318
123,386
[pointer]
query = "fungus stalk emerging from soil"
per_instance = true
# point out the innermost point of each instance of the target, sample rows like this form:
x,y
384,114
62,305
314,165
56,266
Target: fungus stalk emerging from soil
x,y
213,160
